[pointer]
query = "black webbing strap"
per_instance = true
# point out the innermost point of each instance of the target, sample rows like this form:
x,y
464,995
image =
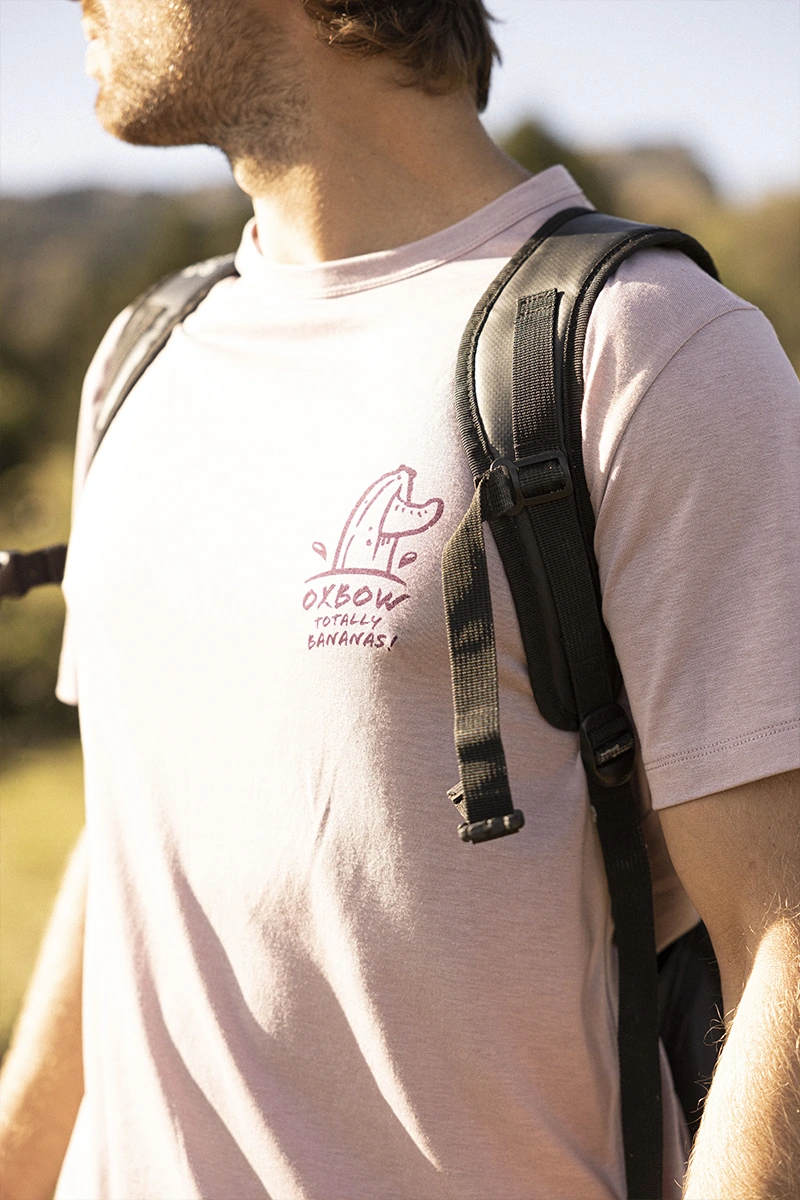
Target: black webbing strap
x,y
483,796
534,414
628,873
19,572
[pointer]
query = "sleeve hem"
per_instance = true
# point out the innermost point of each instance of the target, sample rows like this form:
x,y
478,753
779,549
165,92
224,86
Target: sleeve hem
x,y
728,763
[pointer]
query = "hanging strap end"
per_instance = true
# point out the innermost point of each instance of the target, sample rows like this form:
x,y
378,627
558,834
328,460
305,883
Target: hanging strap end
x,y
494,827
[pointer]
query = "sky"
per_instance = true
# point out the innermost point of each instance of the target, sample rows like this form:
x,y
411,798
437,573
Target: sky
x,y
720,76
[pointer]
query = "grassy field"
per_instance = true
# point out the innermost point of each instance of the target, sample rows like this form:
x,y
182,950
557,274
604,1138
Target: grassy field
x,y
41,814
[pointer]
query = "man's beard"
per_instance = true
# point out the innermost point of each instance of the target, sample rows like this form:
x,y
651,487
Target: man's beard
x,y
199,71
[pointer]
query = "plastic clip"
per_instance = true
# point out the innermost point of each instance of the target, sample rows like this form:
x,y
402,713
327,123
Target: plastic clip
x,y
494,827
607,745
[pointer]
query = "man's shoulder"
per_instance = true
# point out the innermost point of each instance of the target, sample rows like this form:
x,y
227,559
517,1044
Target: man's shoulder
x,y
655,301
665,329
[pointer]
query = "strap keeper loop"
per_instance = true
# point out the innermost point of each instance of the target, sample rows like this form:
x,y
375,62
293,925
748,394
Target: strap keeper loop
x,y
530,488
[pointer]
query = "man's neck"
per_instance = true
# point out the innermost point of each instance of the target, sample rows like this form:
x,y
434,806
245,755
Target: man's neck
x,y
374,165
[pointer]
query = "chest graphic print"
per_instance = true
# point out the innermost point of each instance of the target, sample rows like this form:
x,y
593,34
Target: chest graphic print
x,y
368,573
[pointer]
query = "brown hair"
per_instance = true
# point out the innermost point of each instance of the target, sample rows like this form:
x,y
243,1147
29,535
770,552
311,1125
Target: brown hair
x,y
444,44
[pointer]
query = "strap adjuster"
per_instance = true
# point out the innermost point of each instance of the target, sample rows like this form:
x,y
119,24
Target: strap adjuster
x,y
607,745
551,485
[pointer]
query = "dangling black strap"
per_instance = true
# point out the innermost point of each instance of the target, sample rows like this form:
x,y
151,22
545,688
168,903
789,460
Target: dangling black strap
x,y
482,796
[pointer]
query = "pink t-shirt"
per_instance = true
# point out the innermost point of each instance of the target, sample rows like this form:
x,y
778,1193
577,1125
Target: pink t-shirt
x,y
299,983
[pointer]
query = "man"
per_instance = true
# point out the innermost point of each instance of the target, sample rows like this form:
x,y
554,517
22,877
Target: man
x,y
296,981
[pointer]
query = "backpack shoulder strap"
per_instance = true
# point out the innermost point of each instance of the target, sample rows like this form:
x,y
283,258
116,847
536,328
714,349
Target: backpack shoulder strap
x,y
153,317
568,260
519,392
145,334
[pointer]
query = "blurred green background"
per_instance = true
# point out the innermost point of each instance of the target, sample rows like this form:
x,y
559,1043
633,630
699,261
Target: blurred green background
x,y
70,262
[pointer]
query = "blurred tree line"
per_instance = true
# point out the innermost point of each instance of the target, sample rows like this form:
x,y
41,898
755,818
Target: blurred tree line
x,y
72,261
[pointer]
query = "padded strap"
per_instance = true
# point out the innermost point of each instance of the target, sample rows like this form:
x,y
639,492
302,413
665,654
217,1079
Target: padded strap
x,y
158,312
146,333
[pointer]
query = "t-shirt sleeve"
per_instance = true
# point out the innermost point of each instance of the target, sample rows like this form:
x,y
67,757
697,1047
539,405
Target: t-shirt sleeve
x,y
67,683
692,436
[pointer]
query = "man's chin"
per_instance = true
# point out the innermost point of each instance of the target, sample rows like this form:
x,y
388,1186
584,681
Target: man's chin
x,y
143,127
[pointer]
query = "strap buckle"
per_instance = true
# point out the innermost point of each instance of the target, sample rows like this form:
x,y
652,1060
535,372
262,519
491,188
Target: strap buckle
x,y
552,485
607,745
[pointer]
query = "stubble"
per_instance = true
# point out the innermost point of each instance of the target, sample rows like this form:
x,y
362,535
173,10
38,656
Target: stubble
x,y
213,72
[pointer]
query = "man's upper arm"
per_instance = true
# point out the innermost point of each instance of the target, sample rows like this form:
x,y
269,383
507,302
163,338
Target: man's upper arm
x,y
737,854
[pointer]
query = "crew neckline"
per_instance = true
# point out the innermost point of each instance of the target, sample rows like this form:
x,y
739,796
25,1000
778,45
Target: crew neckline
x,y
339,277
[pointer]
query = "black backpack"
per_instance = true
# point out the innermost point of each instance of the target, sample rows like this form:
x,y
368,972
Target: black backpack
x,y
519,392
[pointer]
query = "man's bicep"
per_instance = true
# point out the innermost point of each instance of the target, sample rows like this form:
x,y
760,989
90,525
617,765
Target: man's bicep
x,y
737,854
